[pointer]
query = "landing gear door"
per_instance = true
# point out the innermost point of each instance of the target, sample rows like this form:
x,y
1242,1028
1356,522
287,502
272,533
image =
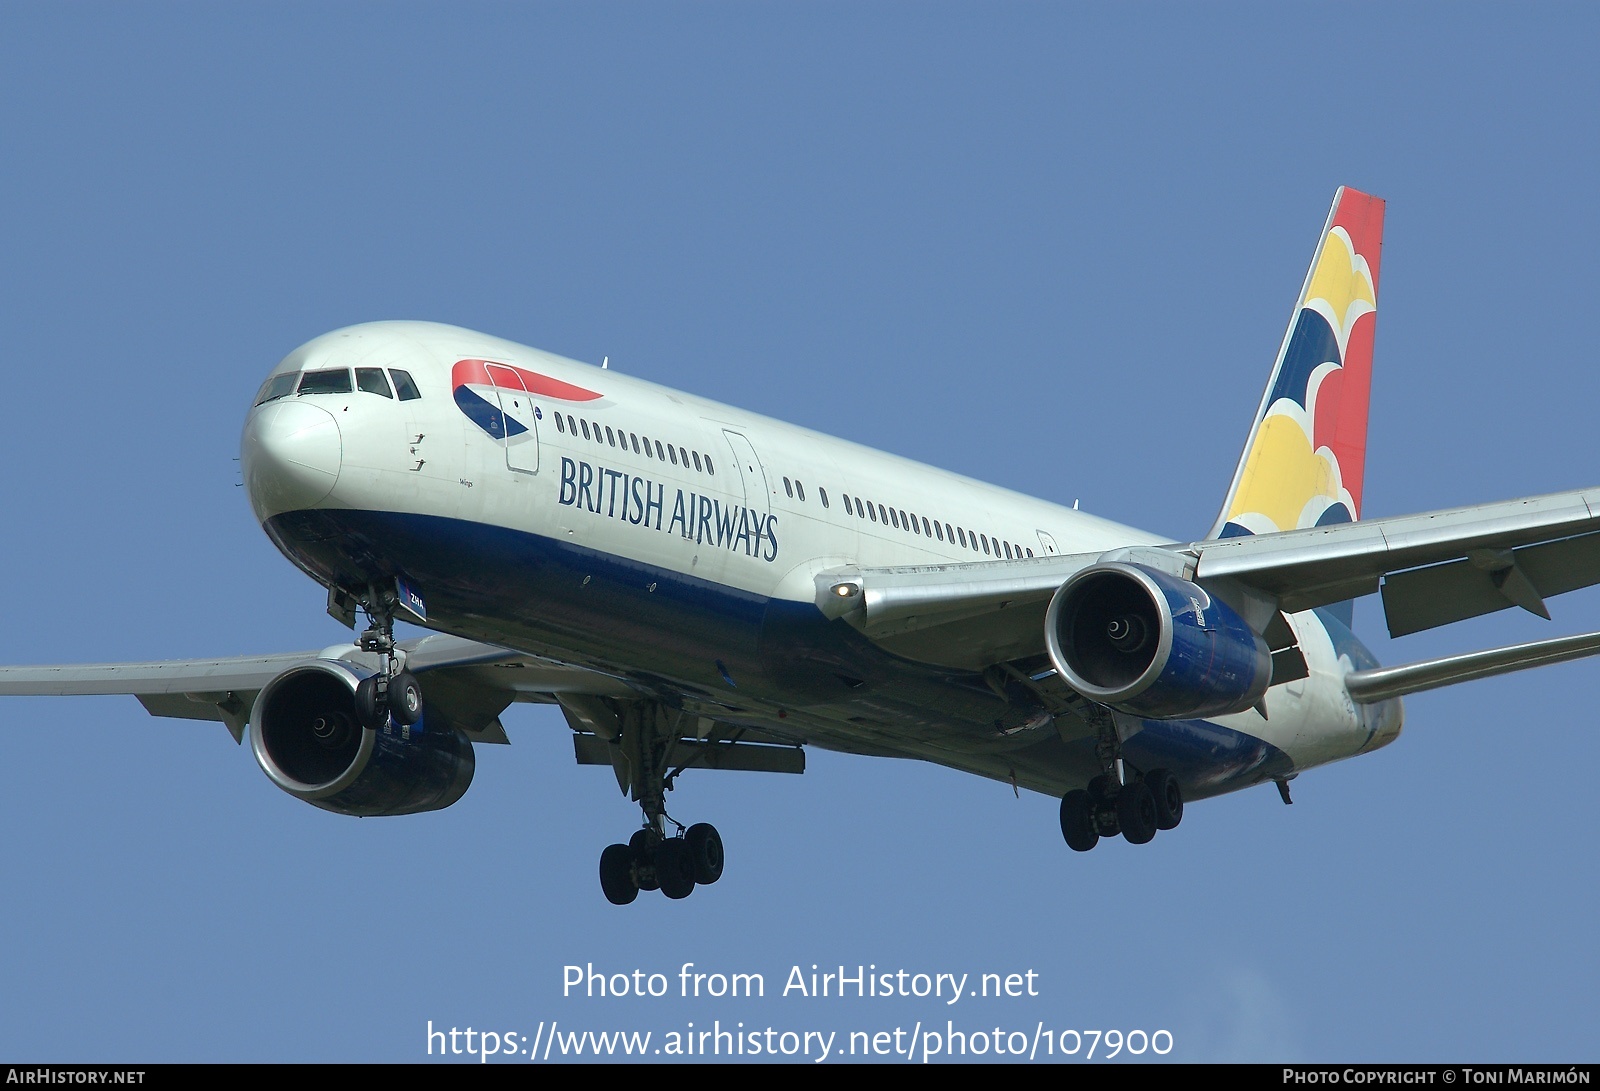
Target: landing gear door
x,y
750,473
522,432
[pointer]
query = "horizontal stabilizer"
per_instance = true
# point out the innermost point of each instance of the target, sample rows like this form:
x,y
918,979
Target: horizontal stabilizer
x,y
1382,683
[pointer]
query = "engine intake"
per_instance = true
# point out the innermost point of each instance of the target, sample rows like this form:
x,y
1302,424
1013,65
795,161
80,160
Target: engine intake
x,y
1151,644
308,739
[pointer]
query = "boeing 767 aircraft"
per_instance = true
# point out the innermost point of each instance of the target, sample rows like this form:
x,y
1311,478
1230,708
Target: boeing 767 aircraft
x,y
698,587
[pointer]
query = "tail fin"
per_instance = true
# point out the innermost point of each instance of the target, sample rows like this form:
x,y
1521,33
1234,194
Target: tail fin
x,y
1303,462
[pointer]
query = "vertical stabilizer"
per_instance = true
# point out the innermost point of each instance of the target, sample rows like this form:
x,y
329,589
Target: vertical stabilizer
x,y
1303,462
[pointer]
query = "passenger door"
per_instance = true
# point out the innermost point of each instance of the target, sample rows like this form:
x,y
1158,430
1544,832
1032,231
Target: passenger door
x,y
756,497
522,431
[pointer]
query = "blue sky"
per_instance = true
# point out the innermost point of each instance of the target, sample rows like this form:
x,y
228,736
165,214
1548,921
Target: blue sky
x,y
1052,247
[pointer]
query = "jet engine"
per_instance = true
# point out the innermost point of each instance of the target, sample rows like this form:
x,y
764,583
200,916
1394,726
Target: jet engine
x,y
308,739
1151,644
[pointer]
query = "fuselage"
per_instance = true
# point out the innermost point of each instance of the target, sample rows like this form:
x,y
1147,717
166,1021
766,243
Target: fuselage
x,y
592,517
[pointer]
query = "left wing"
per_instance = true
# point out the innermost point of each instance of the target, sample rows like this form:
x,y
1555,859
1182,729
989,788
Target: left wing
x,y
1431,569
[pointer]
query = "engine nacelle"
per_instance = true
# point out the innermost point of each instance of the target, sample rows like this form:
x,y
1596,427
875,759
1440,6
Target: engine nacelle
x,y
308,739
1154,645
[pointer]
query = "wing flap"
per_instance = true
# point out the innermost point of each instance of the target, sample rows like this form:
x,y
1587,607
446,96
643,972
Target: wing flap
x,y
1487,581
1323,565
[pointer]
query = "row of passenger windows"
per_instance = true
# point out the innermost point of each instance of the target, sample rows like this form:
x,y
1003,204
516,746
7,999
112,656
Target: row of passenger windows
x,y
678,456
913,523
336,380
944,532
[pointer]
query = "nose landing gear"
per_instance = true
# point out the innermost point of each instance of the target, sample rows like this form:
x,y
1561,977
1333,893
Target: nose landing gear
x,y
392,691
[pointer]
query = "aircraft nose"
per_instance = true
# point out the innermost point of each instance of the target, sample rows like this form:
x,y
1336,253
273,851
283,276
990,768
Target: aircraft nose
x,y
290,455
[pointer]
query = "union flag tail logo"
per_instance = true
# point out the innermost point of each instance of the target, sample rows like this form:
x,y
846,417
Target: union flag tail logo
x,y
1303,462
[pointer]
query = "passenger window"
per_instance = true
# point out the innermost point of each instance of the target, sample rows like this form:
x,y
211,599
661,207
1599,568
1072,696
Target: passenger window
x,y
659,454
710,469
572,425
685,455
949,534
696,460
800,489
823,493
372,381
610,436
872,510
937,532
648,453
961,531
985,538
633,439
279,386
331,381
560,425
673,452
916,526
927,531
1030,552
1009,557
599,436
788,488
404,386
585,427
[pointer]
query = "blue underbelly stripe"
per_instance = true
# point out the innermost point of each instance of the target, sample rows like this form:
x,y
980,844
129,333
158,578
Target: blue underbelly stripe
x,y
592,608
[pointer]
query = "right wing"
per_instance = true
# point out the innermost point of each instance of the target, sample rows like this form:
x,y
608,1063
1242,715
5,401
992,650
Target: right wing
x,y
467,682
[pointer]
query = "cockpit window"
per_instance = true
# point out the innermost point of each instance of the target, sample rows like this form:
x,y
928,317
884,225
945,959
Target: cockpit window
x,y
331,381
404,386
279,386
372,381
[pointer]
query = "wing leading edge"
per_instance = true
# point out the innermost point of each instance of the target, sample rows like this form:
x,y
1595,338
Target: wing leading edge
x,y
468,682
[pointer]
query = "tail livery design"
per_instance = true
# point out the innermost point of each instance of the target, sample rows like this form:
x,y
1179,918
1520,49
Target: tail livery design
x,y
1303,463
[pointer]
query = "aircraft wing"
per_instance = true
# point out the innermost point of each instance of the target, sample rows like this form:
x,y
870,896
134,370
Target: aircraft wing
x,y
1432,569
468,682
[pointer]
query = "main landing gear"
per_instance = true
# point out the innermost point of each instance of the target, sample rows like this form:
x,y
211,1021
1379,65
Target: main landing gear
x,y
652,859
392,691
1114,802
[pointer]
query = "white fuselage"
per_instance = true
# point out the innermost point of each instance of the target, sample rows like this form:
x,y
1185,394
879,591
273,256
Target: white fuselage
x,y
742,503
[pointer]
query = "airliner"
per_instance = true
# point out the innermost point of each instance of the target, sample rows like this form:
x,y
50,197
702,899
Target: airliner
x,y
702,588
